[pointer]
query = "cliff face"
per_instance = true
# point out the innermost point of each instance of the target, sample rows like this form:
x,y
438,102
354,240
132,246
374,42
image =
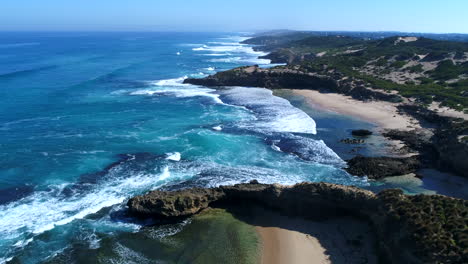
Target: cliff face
x,y
411,229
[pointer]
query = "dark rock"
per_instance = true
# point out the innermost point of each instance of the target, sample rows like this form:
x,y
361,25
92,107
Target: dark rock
x,y
325,197
175,204
361,132
442,148
253,76
352,141
380,167
417,140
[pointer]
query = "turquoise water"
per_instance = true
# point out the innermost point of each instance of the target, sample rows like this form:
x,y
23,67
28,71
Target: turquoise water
x,y
88,120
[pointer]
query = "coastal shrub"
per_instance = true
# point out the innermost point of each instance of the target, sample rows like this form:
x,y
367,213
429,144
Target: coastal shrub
x,y
446,70
432,86
425,80
435,56
398,64
381,62
415,69
436,224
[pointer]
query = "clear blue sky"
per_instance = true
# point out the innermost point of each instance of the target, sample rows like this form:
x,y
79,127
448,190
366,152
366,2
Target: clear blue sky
x,y
234,15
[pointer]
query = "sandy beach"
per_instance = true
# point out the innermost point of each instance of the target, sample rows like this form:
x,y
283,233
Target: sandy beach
x,y
287,246
287,239
384,114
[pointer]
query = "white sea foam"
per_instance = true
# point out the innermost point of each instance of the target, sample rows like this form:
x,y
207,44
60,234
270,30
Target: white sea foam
x,y
175,156
128,256
238,49
165,174
235,52
171,82
177,88
216,54
44,210
226,43
16,45
274,147
227,60
274,114
217,128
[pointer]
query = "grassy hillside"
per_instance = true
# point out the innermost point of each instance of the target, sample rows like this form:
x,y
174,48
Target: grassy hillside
x,y
422,69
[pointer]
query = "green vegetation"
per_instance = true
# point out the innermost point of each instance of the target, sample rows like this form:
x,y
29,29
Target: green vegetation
x,y
349,56
447,70
426,92
432,85
436,224
415,69
398,64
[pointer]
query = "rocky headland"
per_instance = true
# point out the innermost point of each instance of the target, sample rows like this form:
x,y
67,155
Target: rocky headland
x,y
409,229
441,143
422,78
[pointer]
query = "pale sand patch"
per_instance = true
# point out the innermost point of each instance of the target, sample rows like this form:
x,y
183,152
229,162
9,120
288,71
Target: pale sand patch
x,y
405,39
445,111
384,114
287,246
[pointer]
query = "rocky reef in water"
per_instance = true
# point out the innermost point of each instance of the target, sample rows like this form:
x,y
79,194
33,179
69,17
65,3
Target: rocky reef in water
x,y
380,167
410,229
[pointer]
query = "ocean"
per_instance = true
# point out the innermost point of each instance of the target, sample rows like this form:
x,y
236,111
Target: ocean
x,y
89,120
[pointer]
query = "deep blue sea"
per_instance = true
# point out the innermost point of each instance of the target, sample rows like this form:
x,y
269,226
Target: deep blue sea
x,y
87,120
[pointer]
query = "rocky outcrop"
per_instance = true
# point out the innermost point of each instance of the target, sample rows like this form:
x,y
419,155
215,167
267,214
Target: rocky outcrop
x,y
317,198
352,141
255,76
293,77
173,204
441,147
380,167
361,132
410,229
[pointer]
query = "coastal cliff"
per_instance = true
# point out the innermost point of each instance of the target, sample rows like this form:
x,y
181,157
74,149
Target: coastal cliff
x,y
410,229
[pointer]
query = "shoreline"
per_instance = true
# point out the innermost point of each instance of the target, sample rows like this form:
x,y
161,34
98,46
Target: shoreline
x,y
381,113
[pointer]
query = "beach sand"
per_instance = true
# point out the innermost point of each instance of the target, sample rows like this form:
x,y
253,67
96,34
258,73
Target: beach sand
x,y
287,246
287,239
384,114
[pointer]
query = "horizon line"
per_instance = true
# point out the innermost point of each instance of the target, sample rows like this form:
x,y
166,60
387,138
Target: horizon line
x,y
216,31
